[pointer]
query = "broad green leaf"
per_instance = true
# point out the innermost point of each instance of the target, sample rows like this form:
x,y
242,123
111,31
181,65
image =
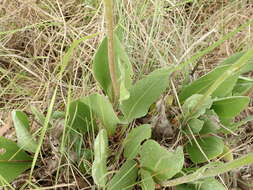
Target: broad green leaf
x,y
195,125
13,160
21,124
162,164
80,117
232,59
212,147
147,182
84,110
133,140
191,102
201,85
243,85
125,178
103,109
99,170
210,184
124,70
145,92
230,107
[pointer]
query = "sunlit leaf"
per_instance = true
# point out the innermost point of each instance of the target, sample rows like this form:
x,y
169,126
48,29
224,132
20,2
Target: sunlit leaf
x,y
99,169
145,92
125,178
147,182
162,164
21,124
133,140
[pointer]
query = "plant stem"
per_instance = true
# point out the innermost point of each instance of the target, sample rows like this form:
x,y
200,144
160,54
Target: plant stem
x,y
206,172
109,19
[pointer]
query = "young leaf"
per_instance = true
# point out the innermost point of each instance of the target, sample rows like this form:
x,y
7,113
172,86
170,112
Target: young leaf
x,y
99,170
201,85
133,140
125,178
103,109
124,70
211,184
147,182
243,85
230,107
144,93
162,164
227,154
13,160
191,103
195,125
212,147
21,124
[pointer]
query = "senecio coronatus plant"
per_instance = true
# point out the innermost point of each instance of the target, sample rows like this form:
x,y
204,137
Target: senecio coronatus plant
x,y
208,107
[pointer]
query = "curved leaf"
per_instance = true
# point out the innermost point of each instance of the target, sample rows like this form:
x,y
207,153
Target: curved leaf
x,y
133,140
212,147
124,70
162,164
99,170
243,85
147,182
21,124
13,161
144,93
125,178
211,184
230,107
195,125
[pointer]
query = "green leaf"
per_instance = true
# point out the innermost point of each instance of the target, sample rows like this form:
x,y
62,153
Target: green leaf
x,y
212,147
185,187
21,124
230,107
227,154
125,178
38,115
211,184
133,140
144,93
232,59
162,164
201,85
124,70
147,182
191,103
13,160
211,124
99,170
243,85
82,110
103,109
195,125
80,117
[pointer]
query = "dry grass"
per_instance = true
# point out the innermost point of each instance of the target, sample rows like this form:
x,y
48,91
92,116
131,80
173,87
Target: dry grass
x,y
35,34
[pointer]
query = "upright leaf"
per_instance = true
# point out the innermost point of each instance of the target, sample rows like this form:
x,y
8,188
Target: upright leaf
x,y
162,164
13,160
230,107
125,178
144,93
133,140
103,109
99,170
201,85
211,146
123,68
21,124
147,182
